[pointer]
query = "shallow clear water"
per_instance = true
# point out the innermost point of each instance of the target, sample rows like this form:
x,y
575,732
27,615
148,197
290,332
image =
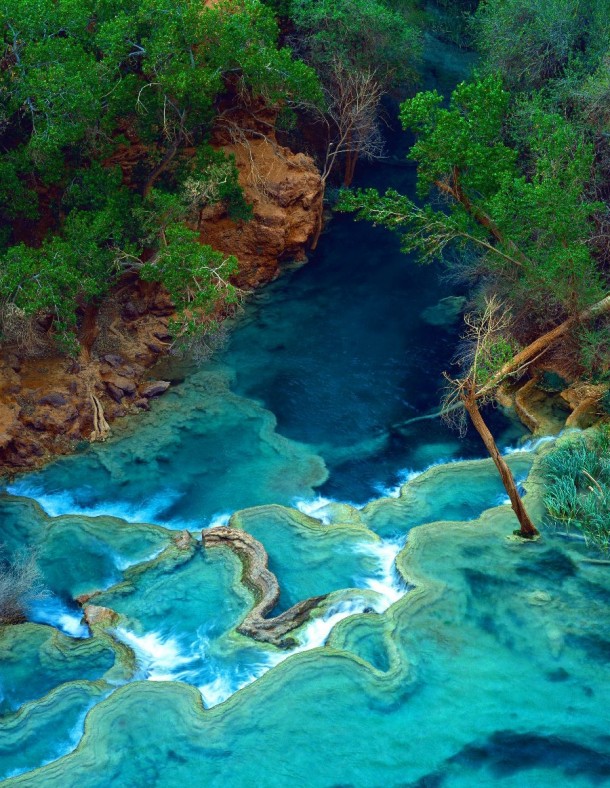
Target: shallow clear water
x,y
440,652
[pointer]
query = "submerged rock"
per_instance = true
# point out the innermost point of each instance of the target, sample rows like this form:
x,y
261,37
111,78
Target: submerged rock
x,y
155,389
446,312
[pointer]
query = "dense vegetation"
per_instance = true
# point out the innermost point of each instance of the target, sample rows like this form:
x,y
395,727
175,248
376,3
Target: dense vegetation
x,y
105,114
106,111
514,185
578,486
513,171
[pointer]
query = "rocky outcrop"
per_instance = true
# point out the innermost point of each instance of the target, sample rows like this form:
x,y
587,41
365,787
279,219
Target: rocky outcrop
x,y
263,584
96,615
286,193
49,403
546,410
584,400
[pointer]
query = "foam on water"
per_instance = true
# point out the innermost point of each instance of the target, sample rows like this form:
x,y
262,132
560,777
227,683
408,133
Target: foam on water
x,y
159,657
225,684
316,632
408,474
316,508
529,445
219,520
55,612
56,504
122,564
164,658
387,582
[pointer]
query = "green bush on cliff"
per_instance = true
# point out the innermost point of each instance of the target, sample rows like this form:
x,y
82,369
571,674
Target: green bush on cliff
x,y
101,105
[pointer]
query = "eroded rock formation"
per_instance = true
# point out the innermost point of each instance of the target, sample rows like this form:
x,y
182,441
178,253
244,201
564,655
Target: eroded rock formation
x,y
48,402
286,193
263,584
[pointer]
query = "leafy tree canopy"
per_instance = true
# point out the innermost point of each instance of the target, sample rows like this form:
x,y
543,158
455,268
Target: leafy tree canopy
x,y
524,212
533,41
87,85
364,34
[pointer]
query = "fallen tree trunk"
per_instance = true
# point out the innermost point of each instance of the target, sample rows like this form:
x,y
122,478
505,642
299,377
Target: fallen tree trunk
x,y
540,345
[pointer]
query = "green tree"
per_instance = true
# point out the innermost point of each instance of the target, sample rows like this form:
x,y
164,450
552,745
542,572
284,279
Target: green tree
x,y
361,49
106,106
533,41
524,213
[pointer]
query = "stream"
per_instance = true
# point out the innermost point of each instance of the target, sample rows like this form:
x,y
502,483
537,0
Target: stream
x,y
441,651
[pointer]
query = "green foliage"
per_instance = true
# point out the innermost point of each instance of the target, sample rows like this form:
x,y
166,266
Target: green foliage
x,y
196,277
594,352
86,82
524,211
533,41
213,177
577,475
280,8
466,137
492,356
361,34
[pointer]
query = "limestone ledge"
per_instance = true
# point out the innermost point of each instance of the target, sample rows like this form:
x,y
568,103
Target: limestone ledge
x,y
264,585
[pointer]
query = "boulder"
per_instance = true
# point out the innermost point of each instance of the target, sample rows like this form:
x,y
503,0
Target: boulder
x,y
127,386
55,399
113,359
55,421
115,392
155,389
101,616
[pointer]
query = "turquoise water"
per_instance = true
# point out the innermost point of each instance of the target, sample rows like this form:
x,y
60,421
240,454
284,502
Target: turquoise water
x,y
439,651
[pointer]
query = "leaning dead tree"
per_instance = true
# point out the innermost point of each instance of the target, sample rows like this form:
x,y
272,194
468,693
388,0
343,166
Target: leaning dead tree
x,y
485,346
518,363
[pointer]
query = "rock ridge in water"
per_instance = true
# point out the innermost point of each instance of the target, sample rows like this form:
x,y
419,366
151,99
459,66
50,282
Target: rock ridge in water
x,y
265,587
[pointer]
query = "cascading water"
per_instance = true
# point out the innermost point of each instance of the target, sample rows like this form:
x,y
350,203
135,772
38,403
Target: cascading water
x,y
439,651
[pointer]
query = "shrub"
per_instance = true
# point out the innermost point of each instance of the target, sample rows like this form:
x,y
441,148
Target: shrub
x,y
577,473
20,585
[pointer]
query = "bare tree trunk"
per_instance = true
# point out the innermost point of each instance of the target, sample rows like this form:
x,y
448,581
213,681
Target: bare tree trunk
x,y
350,168
160,169
539,345
528,529
319,228
522,358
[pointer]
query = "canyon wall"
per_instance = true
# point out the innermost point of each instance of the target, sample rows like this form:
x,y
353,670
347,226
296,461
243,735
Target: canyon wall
x,y
49,403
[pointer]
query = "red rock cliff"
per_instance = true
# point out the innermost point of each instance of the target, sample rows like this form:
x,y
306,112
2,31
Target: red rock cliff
x,y
49,403
286,192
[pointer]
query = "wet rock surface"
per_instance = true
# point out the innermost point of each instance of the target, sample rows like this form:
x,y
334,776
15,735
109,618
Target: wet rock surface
x,y
264,585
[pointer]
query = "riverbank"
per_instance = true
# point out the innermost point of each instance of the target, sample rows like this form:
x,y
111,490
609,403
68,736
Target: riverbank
x,y
49,403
